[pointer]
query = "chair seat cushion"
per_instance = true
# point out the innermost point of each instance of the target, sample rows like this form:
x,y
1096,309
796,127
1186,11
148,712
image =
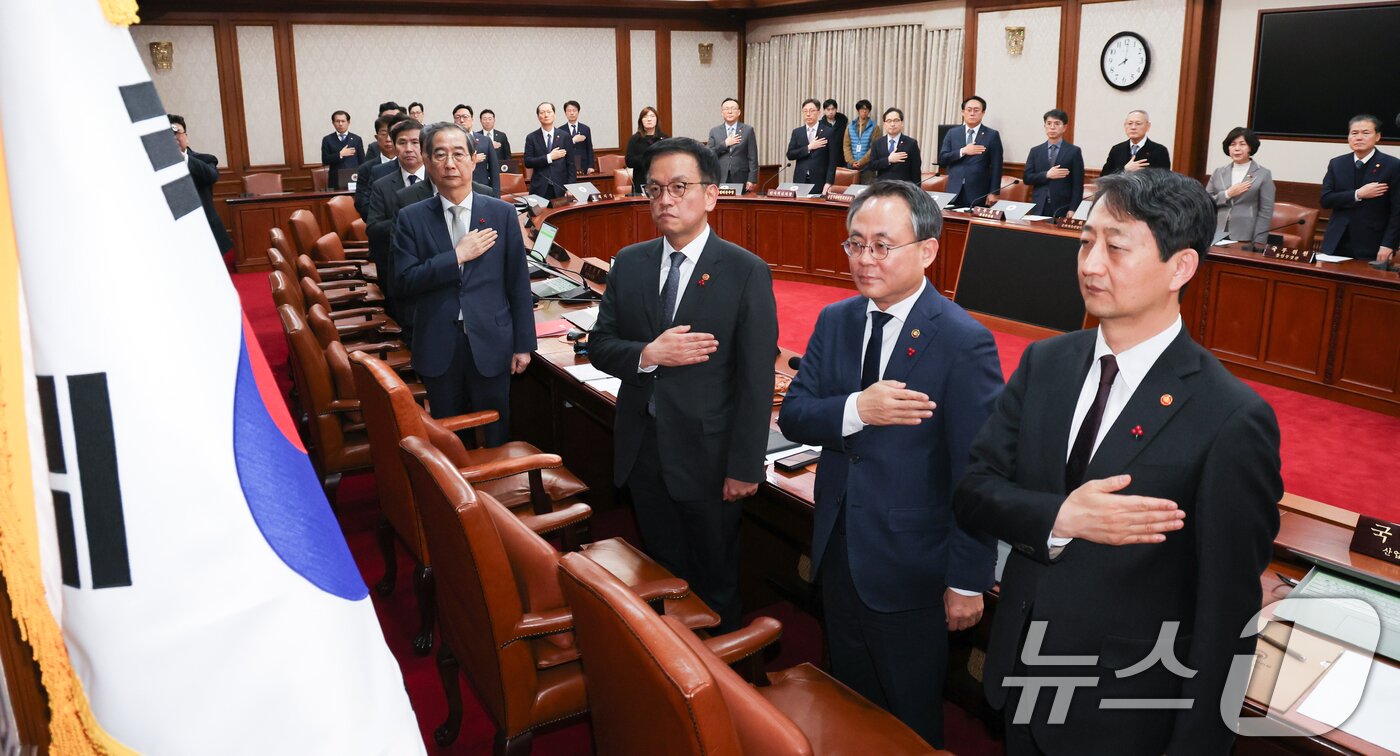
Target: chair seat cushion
x,y
634,568
561,694
514,491
836,719
548,654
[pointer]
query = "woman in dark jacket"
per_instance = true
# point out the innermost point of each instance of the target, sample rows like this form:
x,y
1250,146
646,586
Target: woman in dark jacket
x,y
648,133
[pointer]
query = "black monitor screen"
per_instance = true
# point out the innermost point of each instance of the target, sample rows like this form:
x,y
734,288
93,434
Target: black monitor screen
x,y
1022,275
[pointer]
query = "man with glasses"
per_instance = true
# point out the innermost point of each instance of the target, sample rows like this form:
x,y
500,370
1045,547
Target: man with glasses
x,y
204,171
488,164
972,154
896,155
736,146
689,324
895,384
459,265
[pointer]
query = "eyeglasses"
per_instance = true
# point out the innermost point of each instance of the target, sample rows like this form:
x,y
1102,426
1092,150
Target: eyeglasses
x,y
878,250
676,189
458,156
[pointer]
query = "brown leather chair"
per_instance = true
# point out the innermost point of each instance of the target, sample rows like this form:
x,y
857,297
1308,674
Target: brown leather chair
x,y
609,163
932,183
334,270
353,325
320,179
328,249
255,184
622,182
501,610
343,216
328,330
365,322
654,687
513,183
305,229
1298,236
358,290
1019,192
336,440
846,176
1090,189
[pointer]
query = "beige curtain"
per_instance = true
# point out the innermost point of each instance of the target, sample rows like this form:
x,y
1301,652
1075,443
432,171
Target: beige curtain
x,y
909,67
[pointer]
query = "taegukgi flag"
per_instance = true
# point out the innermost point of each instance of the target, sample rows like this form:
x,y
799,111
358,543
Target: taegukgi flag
x,y
206,597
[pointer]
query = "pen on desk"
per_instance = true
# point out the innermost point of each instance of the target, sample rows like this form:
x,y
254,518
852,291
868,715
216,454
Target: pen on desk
x,y
1286,579
1282,648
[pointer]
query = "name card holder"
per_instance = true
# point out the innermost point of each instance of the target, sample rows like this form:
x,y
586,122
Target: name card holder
x,y
782,193
1377,538
725,191
988,213
567,199
1073,224
839,198
601,197
1277,252
595,270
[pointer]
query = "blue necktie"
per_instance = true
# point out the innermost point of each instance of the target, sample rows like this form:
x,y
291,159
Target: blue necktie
x,y
870,368
1134,151
971,134
412,179
893,142
1054,151
668,306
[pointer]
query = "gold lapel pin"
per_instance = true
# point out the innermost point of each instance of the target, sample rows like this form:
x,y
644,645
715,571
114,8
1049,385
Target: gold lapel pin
x,y
914,333
1166,400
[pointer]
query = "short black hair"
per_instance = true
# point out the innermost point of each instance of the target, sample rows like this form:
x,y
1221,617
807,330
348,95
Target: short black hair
x,y
390,105
892,110
484,111
399,127
1175,208
1250,138
704,158
567,103
970,99
467,108
1376,122
340,112
864,104
734,100
430,132
1055,113
388,121
924,214
814,102
830,103
413,105
174,119
546,102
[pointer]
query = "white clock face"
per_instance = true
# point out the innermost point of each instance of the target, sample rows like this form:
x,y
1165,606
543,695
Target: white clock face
x,y
1124,61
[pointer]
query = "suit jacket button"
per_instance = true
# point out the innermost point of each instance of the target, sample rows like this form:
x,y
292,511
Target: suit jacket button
x,y
855,459
1024,607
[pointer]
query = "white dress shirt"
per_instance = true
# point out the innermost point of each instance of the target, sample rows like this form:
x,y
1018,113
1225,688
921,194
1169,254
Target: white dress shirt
x,y
1365,161
550,142
420,173
898,312
692,256
384,158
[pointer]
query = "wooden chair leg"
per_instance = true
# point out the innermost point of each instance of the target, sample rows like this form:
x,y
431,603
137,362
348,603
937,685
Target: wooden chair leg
x,y
427,609
391,558
452,688
520,745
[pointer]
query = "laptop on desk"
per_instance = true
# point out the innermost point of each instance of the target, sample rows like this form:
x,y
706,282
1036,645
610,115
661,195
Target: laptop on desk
x,y
1332,615
1014,210
802,189
736,188
944,199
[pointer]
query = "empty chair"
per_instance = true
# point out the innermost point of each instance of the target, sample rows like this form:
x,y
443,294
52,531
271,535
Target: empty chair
x,y
931,183
654,687
327,331
846,176
609,163
328,249
366,322
358,289
512,183
336,439
255,184
343,219
320,179
1298,236
1019,192
622,182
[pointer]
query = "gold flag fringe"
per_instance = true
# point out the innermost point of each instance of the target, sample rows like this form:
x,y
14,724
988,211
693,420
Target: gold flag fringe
x,y
120,12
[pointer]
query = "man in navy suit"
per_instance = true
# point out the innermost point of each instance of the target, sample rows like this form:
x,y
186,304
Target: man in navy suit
x,y
895,155
459,260
389,108
580,136
1055,169
972,155
1137,152
498,138
547,153
381,163
341,149
488,164
1363,192
896,571
204,172
379,221
812,149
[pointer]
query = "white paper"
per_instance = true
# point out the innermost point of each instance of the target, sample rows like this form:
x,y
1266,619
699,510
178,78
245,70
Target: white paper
x,y
1224,242
1035,217
607,385
1331,258
785,453
585,372
1333,701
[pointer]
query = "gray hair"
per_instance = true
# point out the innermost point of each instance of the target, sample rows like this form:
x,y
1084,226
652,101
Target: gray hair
x,y
1145,116
924,214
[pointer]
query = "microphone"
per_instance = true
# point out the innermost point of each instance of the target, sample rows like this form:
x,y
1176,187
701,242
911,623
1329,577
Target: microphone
x,y
779,174
1008,184
556,185
1253,245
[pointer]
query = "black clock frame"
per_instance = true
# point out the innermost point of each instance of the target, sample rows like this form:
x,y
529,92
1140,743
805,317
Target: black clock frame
x,y
1146,68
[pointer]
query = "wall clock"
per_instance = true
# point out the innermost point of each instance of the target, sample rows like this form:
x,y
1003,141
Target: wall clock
x,y
1125,60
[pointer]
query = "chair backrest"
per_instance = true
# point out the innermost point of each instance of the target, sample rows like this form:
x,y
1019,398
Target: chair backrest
x,y
280,263
315,388
320,178
328,248
512,183
311,294
306,268
477,602
262,183
609,163
286,291
622,182
648,692
1295,237
1020,192
846,176
278,238
343,215
1090,189
305,230
933,183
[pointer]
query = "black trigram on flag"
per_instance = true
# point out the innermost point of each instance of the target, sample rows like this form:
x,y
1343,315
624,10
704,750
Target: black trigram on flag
x,y
143,103
96,478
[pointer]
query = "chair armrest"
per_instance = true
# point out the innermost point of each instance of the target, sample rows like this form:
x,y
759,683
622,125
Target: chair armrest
x,y
507,467
420,392
357,312
672,588
741,644
344,405
337,269
469,420
379,349
343,284
548,523
538,624
348,262
356,253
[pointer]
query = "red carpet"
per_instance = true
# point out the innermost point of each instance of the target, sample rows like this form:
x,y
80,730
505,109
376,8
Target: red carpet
x,y
1318,463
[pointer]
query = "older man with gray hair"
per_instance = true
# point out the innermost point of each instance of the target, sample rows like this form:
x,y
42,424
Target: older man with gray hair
x,y
1138,151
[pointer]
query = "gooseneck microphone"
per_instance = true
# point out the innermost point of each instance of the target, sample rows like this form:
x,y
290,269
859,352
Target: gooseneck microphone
x,y
1253,245
779,174
1007,185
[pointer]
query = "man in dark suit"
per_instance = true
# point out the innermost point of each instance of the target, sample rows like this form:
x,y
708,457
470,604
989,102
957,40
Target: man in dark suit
x,y
340,148
204,171
689,324
498,138
1138,151
459,259
379,221
580,136
1055,169
1137,482
896,571
734,143
972,155
488,165
1363,192
386,109
896,154
811,148
547,155
375,166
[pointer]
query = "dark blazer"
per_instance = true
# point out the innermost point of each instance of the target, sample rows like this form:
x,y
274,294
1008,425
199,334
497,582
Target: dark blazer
x,y
488,171
971,176
737,164
581,154
330,153
1248,216
816,167
1119,154
503,154
713,417
1055,196
492,292
379,223
897,481
637,146
204,171
1191,433
1366,225
906,171
537,160
369,172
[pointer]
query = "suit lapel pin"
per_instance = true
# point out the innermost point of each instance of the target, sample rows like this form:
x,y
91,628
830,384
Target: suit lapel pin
x,y
704,278
1166,400
911,351
1137,431
915,333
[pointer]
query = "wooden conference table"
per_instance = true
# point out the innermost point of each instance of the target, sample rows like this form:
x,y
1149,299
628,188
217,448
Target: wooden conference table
x,y
799,238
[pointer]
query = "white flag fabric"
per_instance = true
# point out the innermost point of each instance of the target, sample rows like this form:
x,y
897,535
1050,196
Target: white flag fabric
x,y
209,602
